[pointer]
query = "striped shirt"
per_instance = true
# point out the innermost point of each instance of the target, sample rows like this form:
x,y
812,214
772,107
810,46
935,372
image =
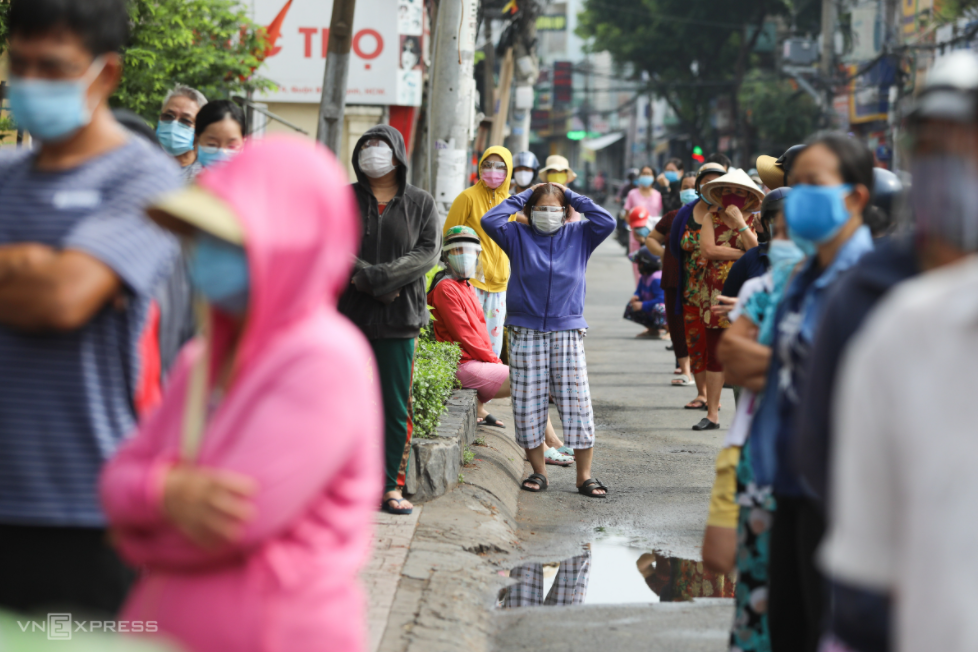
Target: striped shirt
x,y
66,398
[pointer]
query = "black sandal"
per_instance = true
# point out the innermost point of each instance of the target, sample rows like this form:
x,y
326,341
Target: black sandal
x,y
589,487
490,420
535,478
706,424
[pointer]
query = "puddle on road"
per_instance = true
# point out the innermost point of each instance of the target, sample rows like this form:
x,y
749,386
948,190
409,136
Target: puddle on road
x,y
613,570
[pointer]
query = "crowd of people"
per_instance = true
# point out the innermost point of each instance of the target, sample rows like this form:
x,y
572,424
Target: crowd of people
x,y
831,296
234,457
207,345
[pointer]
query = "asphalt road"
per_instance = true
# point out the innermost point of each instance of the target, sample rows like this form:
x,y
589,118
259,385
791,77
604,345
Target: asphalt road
x,y
659,471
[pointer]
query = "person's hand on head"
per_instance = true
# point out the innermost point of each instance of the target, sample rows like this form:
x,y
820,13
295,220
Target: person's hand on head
x,y
210,506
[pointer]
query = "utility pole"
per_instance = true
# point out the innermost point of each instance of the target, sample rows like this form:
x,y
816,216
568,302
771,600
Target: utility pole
x,y
331,105
828,50
502,112
452,108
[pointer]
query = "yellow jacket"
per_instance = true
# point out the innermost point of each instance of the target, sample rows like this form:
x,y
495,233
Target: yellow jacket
x,y
468,209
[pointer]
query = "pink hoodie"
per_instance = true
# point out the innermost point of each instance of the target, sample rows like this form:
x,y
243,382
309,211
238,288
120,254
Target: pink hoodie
x,y
302,418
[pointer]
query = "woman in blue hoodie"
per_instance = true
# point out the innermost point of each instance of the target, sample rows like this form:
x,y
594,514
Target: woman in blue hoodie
x,y
545,316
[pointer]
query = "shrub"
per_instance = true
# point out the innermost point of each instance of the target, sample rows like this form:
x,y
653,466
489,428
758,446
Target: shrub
x,y
435,364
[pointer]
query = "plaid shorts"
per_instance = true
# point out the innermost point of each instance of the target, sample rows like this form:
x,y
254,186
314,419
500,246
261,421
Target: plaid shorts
x,y
570,585
541,364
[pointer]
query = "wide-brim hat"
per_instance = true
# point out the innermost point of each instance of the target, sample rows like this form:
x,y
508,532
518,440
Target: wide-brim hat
x,y
557,163
770,172
735,178
200,209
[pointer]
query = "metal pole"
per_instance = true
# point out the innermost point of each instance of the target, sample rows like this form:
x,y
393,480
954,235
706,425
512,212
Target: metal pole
x,y
828,51
330,129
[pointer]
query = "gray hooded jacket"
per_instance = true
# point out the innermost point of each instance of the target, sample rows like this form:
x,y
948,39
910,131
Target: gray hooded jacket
x,y
387,298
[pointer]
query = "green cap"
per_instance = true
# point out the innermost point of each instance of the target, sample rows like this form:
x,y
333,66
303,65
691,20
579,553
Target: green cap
x,y
460,234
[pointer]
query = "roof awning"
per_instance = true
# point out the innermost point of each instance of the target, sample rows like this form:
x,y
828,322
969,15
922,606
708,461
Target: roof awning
x,y
603,141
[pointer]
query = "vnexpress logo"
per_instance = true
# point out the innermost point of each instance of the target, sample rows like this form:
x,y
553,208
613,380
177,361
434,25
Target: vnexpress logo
x,y
59,627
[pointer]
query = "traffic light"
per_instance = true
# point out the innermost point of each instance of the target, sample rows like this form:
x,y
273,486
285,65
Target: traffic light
x,y
698,154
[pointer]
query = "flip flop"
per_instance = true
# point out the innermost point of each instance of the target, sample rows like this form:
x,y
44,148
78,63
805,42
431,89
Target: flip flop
x,y
397,511
555,458
490,420
701,404
682,381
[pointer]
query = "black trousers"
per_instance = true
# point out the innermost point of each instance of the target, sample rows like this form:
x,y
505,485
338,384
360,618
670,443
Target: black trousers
x,y
797,589
66,568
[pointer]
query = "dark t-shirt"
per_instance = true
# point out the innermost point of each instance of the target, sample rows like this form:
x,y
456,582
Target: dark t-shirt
x,y
751,265
670,264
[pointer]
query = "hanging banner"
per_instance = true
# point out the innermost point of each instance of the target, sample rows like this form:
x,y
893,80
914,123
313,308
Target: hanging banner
x,y
385,58
869,93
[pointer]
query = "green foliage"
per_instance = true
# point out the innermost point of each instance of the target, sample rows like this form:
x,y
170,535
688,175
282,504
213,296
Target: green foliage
x,y
780,114
693,50
468,456
435,364
480,441
210,45
4,10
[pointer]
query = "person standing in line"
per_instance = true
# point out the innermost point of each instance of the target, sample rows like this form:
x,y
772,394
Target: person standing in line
x,y
220,132
251,491
657,242
178,118
670,185
386,297
725,234
525,166
684,230
944,129
495,170
648,198
558,170
78,263
546,321
832,180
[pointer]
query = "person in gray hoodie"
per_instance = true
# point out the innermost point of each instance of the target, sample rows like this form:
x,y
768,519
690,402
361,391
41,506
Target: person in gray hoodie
x,y
401,241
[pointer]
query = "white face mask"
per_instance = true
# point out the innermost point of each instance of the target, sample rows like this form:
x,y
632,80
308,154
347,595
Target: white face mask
x,y
547,221
523,178
376,161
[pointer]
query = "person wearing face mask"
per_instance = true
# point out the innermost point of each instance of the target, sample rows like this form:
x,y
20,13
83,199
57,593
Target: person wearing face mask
x,y
495,169
525,166
944,160
558,170
458,318
386,296
669,185
831,179
79,262
646,196
755,261
686,229
546,321
725,234
178,118
220,131
738,528
266,446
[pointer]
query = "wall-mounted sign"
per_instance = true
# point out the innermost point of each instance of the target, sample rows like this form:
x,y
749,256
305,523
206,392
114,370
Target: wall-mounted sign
x,y
386,56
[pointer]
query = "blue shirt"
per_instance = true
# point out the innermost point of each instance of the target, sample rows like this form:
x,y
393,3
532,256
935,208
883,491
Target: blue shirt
x,y
751,265
547,287
798,318
650,291
66,398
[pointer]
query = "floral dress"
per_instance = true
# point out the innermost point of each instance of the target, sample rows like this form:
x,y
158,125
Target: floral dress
x,y
710,274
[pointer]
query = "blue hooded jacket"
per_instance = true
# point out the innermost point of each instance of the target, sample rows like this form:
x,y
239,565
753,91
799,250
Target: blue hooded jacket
x,y
547,287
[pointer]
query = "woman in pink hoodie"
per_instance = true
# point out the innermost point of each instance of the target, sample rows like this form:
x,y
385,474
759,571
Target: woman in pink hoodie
x,y
246,498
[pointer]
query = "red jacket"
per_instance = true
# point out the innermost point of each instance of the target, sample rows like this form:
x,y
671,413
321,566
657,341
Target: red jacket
x,y
458,318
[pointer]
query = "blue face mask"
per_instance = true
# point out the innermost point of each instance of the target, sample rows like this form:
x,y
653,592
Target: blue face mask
x,y
642,232
645,180
817,213
211,156
52,110
688,196
219,270
671,176
784,252
175,137
807,247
